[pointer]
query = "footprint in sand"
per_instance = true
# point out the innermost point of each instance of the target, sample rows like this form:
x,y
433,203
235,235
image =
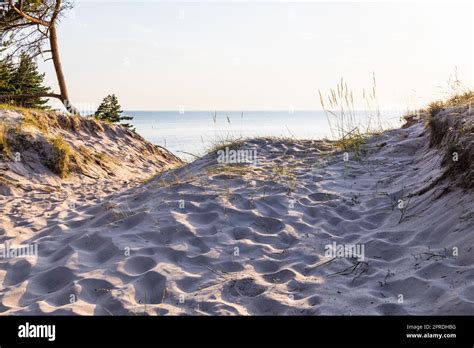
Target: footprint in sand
x,y
17,273
322,197
280,277
150,288
245,287
139,264
51,280
268,225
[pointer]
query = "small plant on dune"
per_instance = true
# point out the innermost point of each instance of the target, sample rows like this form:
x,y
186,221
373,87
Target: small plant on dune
x,y
30,118
457,99
35,117
62,156
340,114
4,148
347,126
101,156
7,106
355,142
220,143
438,130
435,108
452,134
284,176
461,98
459,94
86,154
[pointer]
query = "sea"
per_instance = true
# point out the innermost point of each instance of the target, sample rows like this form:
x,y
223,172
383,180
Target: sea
x,y
189,134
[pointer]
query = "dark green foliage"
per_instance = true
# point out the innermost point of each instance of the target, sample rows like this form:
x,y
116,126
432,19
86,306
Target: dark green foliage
x,y
110,111
27,80
6,72
23,78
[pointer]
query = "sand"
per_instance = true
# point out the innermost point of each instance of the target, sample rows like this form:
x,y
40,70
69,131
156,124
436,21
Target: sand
x,y
214,239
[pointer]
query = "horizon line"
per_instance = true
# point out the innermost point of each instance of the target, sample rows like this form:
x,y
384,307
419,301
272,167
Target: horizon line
x,y
256,110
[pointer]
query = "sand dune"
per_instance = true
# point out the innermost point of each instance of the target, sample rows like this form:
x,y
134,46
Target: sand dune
x,y
217,239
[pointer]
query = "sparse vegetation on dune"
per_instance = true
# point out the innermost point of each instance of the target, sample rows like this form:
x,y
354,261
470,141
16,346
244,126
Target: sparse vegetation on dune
x,y
4,149
44,120
102,158
451,126
5,106
72,144
220,143
437,128
457,99
62,157
35,119
348,127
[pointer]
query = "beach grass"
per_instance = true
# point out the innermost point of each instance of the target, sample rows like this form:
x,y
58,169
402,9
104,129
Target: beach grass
x,y
349,128
4,148
62,156
221,143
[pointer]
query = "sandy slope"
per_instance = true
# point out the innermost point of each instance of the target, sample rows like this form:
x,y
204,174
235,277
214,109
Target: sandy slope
x,y
251,239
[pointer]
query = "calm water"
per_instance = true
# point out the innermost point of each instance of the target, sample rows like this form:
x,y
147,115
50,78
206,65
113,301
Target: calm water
x,y
195,131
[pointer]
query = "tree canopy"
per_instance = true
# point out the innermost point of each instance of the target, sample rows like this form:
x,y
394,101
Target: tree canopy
x,y
6,73
110,110
23,79
28,27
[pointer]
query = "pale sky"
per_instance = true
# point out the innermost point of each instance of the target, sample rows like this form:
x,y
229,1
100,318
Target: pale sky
x,y
228,55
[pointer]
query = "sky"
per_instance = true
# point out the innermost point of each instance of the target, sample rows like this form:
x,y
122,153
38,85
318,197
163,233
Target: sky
x,y
266,55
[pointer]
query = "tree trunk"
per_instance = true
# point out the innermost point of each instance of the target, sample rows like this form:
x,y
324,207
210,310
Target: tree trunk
x,y
53,41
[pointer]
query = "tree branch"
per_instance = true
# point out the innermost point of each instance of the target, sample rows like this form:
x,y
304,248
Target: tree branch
x,y
27,16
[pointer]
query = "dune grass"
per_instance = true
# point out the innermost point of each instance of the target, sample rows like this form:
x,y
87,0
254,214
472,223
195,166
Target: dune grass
x,y
220,143
4,106
439,130
62,156
4,148
32,120
456,99
348,128
452,135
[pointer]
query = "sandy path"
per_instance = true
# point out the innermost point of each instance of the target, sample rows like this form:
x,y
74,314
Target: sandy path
x,y
214,239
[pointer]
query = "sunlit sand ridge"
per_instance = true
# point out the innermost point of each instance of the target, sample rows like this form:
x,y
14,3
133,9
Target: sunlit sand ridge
x,y
253,238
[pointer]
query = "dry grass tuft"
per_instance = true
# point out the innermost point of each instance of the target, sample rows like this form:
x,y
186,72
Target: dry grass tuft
x,y
439,128
62,156
221,143
349,128
4,148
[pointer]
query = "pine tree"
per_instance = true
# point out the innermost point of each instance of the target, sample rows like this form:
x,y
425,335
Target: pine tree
x,y
110,110
6,72
30,27
26,79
